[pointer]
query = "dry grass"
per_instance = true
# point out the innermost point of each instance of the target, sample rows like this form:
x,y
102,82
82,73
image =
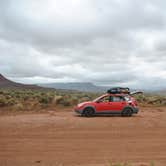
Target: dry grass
x,y
25,100
129,164
155,100
35,100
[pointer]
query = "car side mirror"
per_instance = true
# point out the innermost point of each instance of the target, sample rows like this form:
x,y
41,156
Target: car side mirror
x,y
98,101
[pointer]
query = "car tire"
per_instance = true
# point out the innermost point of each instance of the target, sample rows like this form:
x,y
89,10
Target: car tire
x,y
88,112
127,112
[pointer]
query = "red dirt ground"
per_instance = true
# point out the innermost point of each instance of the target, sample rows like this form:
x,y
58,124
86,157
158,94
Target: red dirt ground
x,y
60,138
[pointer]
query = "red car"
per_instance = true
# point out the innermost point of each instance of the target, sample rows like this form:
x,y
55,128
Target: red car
x,y
123,104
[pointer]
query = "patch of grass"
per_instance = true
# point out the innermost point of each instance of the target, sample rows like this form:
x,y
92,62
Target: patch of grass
x,y
127,164
119,164
152,163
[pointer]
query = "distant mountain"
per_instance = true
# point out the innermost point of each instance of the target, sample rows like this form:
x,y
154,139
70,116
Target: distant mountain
x,y
79,86
90,87
161,92
8,84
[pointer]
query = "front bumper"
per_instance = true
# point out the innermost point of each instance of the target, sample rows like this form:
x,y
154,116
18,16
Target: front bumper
x,y
78,111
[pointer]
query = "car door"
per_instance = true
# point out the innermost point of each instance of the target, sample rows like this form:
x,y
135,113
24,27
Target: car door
x,y
103,105
117,103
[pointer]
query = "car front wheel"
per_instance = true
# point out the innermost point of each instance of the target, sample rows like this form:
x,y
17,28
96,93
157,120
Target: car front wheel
x,y
88,112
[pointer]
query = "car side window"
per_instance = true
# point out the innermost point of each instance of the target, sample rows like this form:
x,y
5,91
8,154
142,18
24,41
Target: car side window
x,y
105,99
117,98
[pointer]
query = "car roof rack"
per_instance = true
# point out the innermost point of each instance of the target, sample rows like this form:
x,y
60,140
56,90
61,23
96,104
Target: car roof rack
x,y
119,90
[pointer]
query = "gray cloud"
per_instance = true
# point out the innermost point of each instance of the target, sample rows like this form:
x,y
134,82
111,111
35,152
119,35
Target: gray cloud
x,y
105,42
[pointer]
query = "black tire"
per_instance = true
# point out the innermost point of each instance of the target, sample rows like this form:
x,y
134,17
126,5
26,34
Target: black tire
x,y
88,112
127,112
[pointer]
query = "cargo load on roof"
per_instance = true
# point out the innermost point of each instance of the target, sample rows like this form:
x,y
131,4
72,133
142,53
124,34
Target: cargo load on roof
x,y
119,90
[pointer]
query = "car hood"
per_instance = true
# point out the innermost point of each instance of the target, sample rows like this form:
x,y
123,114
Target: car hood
x,y
84,103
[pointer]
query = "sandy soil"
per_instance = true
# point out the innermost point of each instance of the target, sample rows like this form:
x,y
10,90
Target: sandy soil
x,y
60,138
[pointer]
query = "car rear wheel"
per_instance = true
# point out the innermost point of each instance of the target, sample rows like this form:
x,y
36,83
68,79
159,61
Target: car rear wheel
x,y
88,112
127,112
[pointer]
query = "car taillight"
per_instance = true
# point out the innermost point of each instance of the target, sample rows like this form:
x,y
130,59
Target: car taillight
x,y
132,103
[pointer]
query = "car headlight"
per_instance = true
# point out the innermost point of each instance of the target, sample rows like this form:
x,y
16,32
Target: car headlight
x,y
80,105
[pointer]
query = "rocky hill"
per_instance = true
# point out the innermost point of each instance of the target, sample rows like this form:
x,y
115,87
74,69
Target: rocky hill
x,y
8,84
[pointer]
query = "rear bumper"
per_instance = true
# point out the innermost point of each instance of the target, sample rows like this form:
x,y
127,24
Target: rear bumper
x,y
135,110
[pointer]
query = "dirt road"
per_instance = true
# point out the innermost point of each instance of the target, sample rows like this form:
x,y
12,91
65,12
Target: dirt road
x,y
62,138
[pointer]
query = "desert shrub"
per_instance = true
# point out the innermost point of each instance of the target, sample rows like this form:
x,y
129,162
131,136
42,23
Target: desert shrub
x,y
44,100
120,164
84,99
156,100
152,163
11,102
50,98
74,101
63,101
8,97
163,102
66,103
25,97
17,95
1,92
141,98
18,107
127,164
57,99
3,101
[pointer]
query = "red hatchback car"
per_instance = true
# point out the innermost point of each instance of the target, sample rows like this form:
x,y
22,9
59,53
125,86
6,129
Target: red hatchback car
x,y
123,104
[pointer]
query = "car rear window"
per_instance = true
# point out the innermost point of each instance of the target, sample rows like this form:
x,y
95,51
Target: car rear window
x,y
117,98
127,98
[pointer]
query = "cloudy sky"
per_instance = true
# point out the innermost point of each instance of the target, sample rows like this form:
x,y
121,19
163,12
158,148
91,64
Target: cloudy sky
x,y
107,42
